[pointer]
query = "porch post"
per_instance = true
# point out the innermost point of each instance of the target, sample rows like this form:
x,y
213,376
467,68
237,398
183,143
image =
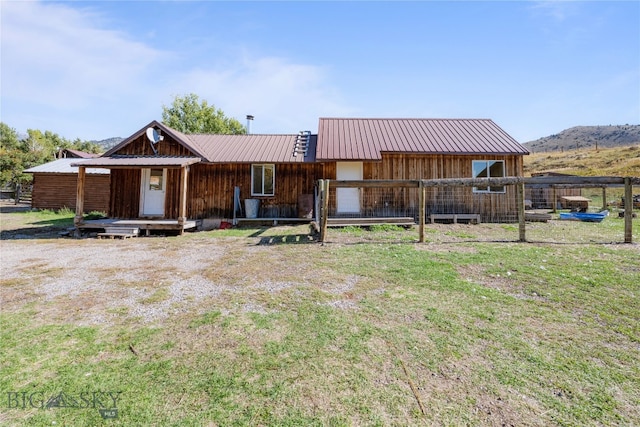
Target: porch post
x,y
77,220
182,209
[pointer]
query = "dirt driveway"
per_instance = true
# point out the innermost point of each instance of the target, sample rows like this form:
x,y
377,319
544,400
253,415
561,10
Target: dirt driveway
x,y
92,281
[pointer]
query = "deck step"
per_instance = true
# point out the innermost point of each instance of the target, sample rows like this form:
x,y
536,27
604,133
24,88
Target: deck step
x,y
122,230
119,232
114,235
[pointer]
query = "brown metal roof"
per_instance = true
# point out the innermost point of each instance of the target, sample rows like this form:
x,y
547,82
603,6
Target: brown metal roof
x,y
138,161
253,148
367,139
70,153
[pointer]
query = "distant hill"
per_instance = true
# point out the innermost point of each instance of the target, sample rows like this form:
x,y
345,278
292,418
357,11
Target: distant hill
x,y
615,161
108,143
581,137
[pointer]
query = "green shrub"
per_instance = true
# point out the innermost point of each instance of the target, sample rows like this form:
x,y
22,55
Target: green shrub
x,y
95,215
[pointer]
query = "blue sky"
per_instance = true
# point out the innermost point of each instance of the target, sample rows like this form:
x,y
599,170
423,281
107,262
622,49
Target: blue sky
x,y
97,69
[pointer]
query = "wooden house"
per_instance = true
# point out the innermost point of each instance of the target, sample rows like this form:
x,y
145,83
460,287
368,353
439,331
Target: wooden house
x,y
409,149
160,173
55,183
208,176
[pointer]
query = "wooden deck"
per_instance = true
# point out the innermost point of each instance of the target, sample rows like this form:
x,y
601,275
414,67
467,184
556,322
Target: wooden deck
x,y
142,224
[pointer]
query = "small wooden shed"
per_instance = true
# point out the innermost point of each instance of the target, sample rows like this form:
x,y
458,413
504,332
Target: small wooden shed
x,y
543,196
55,183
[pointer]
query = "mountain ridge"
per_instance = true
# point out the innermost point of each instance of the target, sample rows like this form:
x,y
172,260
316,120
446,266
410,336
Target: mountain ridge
x,y
108,143
580,137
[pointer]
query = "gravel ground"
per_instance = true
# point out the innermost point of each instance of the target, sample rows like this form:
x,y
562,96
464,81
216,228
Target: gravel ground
x,y
104,276
148,279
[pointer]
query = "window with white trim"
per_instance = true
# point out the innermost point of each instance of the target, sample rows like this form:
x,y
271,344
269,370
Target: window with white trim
x,y
488,169
263,180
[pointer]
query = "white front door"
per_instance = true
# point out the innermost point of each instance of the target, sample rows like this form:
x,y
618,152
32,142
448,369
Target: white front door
x,y
152,192
348,199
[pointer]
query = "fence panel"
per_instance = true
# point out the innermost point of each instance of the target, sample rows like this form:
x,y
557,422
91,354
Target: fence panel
x,y
496,215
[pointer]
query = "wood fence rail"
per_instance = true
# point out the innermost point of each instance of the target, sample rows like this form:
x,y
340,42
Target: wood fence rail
x,y
519,182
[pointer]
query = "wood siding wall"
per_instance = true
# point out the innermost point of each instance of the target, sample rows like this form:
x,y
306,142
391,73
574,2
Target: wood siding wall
x,y
125,193
211,187
142,147
210,190
56,191
492,207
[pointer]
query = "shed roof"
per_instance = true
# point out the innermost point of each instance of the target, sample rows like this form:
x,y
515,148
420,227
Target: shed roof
x,y
367,138
65,166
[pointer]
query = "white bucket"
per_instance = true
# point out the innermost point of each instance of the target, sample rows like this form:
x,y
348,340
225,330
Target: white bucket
x,y
251,207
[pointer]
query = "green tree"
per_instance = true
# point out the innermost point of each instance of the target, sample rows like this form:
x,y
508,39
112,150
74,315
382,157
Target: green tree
x,y
86,146
190,115
37,148
12,155
43,147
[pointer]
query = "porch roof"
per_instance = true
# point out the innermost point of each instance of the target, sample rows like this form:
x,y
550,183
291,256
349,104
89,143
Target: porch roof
x,y
134,162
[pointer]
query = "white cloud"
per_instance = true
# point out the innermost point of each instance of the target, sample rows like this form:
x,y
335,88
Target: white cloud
x,y
55,56
284,96
557,10
62,70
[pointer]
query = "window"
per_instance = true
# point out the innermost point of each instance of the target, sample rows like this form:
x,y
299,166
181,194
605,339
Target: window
x,y
155,179
263,180
488,169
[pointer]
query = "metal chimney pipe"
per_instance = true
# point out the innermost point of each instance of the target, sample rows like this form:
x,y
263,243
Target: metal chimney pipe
x,y
249,120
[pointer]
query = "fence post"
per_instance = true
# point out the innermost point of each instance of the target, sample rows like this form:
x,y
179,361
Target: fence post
x,y
324,210
17,193
628,211
78,219
520,203
421,214
604,197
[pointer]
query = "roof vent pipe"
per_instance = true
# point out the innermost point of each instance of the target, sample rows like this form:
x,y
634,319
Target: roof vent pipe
x,y
249,120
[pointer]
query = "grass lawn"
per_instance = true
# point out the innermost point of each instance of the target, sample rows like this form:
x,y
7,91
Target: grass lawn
x,y
370,328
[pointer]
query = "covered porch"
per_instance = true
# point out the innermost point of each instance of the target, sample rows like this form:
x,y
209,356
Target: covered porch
x,y
145,221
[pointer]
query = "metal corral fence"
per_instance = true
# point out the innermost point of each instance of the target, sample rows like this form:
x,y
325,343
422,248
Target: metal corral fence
x,y
531,205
